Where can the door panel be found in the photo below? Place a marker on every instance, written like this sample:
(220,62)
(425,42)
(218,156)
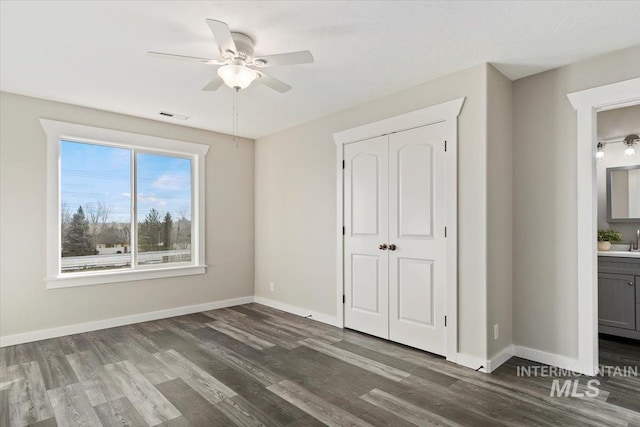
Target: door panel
(366,221)
(365,194)
(415,191)
(365,279)
(415,291)
(417,220)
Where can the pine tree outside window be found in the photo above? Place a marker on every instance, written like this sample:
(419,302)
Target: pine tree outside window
(122,206)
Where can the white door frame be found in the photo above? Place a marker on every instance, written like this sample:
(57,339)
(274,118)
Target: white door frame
(446,112)
(588,103)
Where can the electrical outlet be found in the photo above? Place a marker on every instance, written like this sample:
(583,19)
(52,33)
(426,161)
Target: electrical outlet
(271,286)
(496,332)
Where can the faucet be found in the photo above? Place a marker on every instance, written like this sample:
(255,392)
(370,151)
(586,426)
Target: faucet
(635,247)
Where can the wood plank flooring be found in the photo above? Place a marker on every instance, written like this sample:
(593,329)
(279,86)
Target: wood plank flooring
(252,365)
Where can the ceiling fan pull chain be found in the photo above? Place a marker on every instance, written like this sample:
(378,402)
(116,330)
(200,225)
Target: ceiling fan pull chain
(235,117)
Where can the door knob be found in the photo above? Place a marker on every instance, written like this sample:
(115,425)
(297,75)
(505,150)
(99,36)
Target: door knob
(383,247)
(392,247)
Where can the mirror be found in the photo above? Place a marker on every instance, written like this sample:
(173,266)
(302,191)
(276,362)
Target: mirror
(623,194)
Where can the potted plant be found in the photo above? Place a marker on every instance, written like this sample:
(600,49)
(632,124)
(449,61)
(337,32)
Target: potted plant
(605,237)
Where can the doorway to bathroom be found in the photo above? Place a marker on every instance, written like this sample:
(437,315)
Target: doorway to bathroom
(589,104)
(618,195)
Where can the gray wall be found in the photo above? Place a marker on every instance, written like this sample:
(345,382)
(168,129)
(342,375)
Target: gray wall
(613,124)
(25,303)
(295,209)
(296,203)
(545,207)
(499,210)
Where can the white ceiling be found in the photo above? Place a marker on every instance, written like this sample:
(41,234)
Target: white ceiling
(94,53)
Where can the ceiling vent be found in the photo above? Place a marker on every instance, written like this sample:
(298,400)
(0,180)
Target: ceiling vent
(172,115)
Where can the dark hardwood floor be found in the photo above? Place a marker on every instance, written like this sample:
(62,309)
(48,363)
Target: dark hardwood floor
(253,365)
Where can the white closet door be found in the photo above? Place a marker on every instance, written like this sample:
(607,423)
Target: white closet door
(417,220)
(366,224)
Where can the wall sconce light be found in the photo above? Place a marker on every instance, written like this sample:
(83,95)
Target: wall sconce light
(630,141)
(600,152)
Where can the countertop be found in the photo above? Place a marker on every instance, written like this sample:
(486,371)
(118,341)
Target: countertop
(620,254)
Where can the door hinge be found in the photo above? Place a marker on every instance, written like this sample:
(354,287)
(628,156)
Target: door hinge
(344,299)
(445,232)
(445,145)
(445,321)
(343,164)
(343,232)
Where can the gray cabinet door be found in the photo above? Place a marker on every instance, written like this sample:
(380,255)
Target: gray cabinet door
(617,300)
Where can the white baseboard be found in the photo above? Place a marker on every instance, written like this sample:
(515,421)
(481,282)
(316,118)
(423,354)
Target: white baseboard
(313,315)
(461,359)
(118,321)
(546,358)
(534,355)
(496,361)
(473,362)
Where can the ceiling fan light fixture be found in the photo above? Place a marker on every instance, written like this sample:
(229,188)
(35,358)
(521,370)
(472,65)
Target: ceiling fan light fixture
(237,76)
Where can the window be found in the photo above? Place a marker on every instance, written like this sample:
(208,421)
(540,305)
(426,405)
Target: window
(122,206)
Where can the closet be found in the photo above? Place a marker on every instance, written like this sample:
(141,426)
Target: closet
(396,199)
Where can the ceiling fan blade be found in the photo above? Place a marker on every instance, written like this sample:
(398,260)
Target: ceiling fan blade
(183,58)
(213,84)
(272,82)
(290,58)
(222,34)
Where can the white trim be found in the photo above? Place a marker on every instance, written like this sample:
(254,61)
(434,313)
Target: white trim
(299,311)
(547,358)
(56,131)
(472,362)
(425,116)
(118,138)
(118,321)
(489,365)
(499,359)
(444,112)
(452,234)
(116,276)
(587,103)
(340,235)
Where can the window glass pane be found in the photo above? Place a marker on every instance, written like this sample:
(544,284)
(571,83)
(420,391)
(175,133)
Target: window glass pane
(163,208)
(95,200)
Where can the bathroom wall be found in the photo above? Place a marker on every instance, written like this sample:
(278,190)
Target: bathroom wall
(614,124)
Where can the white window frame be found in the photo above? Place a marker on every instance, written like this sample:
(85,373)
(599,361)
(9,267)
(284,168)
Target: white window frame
(57,131)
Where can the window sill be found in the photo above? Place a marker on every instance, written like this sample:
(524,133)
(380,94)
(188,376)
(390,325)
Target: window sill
(123,276)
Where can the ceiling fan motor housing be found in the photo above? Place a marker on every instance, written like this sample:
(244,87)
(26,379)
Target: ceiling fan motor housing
(244,45)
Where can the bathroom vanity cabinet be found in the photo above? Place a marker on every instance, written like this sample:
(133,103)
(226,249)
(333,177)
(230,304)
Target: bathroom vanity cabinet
(619,296)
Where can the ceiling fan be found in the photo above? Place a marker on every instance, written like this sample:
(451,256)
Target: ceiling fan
(238,66)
